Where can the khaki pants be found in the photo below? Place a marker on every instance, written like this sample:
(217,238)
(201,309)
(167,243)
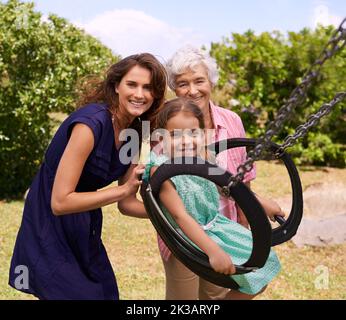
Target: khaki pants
(183,284)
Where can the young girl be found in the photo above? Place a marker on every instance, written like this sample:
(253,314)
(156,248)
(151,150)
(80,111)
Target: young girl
(193,202)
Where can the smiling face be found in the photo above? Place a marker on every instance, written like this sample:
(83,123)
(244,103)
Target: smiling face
(195,85)
(135,92)
(185,136)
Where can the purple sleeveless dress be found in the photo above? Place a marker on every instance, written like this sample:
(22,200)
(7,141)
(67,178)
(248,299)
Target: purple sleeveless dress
(64,255)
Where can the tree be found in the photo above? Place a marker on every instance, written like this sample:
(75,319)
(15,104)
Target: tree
(258,73)
(41,61)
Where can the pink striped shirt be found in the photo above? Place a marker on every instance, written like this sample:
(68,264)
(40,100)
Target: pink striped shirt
(227,124)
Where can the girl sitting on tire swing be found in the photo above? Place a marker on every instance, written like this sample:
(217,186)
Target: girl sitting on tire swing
(192,202)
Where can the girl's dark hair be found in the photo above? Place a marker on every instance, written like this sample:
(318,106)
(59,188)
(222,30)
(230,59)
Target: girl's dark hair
(173,107)
(94,90)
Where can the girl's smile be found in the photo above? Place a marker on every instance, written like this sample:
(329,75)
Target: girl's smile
(185,137)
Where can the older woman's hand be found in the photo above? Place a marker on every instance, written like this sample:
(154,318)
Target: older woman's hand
(271,208)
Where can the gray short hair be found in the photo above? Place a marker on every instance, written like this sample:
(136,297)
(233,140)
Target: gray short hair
(189,57)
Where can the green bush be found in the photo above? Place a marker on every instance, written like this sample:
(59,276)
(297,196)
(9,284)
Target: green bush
(318,149)
(40,64)
(260,72)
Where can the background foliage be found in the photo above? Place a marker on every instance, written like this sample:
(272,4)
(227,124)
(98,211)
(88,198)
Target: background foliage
(41,60)
(258,72)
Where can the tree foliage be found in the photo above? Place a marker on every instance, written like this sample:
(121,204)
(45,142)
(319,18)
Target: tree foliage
(258,73)
(41,60)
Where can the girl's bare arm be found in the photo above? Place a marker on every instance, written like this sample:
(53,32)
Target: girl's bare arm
(219,260)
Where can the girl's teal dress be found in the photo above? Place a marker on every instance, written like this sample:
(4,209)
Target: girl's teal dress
(201,199)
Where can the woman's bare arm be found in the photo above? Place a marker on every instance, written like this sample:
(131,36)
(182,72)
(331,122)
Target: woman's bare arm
(271,208)
(131,206)
(65,199)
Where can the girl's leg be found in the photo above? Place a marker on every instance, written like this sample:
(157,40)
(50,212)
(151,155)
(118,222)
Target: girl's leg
(237,295)
(181,283)
(210,291)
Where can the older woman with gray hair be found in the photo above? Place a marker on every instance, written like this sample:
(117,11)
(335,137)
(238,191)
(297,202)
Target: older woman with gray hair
(192,74)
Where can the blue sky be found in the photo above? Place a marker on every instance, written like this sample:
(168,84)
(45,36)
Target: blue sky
(161,27)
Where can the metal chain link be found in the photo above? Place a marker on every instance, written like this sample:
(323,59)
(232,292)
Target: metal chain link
(336,43)
(312,121)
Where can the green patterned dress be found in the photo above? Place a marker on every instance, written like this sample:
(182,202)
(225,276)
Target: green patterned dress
(201,200)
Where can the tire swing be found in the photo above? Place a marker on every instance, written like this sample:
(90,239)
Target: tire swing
(263,236)
(192,257)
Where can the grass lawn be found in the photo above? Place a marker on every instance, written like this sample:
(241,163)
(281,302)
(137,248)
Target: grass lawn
(131,245)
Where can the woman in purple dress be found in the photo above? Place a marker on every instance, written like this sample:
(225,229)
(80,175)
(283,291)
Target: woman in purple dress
(59,241)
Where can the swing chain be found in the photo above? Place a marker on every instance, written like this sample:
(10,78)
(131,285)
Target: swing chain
(312,121)
(336,43)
